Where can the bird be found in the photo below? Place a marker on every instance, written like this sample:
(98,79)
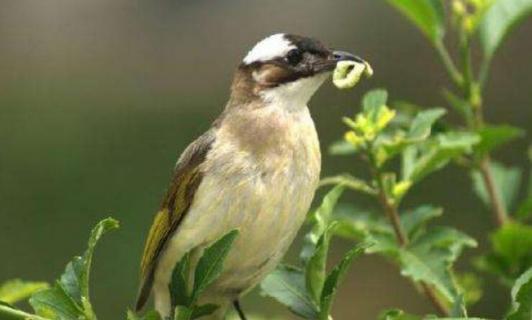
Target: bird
(255,170)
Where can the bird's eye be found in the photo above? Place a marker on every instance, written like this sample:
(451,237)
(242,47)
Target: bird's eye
(294,56)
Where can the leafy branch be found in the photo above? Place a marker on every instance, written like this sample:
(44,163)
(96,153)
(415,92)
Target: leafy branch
(490,21)
(426,258)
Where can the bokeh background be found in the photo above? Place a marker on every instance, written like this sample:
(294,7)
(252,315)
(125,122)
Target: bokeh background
(99,97)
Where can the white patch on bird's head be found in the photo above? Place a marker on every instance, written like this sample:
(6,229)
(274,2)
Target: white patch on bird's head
(293,95)
(272,47)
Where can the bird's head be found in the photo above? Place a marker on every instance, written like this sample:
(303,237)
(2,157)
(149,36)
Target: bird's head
(285,68)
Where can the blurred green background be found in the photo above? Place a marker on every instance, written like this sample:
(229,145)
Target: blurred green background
(99,97)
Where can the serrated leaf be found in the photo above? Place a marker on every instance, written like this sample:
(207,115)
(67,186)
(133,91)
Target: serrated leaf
(320,219)
(416,219)
(287,285)
(498,20)
(506,181)
(429,258)
(511,252)
(361,225)
(70,295)
(492,137)
(427,15)
(439,150)
(16,290)
(55,304)
(422,124)
(334,277)
(178,286)
(210,264)
(522,298)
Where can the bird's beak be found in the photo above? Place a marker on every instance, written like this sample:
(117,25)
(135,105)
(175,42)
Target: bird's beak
(336,56)
(345,56)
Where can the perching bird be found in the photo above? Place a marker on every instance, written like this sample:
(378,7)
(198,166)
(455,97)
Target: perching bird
(256,170)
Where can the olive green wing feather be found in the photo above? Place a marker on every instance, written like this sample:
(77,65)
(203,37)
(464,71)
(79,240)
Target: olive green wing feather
(179,196)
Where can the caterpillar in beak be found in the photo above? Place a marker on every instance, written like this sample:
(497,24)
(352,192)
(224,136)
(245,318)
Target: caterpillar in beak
(348,73)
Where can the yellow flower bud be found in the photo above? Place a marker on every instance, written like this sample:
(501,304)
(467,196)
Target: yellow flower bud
(349,122)
(384,118)
(353,138)
(401,188)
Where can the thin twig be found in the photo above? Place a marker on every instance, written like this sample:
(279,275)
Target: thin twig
(448,63)
(499,211)
(393,215)
(436,302)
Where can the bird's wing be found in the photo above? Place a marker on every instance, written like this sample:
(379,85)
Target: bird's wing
(186,179)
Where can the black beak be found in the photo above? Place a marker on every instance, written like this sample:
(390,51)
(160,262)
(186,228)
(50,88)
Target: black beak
(345,56)
(334,57)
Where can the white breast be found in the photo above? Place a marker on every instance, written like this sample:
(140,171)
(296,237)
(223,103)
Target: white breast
(265,192)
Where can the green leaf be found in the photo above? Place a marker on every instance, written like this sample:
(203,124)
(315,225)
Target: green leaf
(178,286)
(498,20)
(320,219)
(342,148)
(408,161)
(335,276)
(350,182)
(69,298)
(506,181)
(361,225)
(374,99)
(16,290)
(55,304)
(315,268)
(287,285)
(429,258)
(492,137)
(470,285)
(150,315)
(414,220)
(422,124)
(210,265)
(427,15)
(438,151)
(511,252)
(522,297)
